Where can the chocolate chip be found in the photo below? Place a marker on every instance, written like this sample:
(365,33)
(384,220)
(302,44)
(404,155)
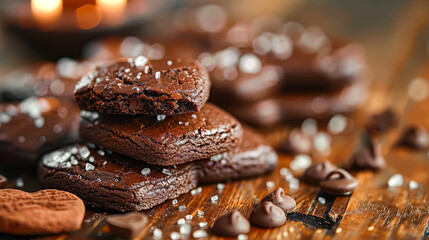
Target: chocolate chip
(339,182)
(3,181)
(126,225)
(414,136)
(231,225)
(383,122)
(369,157)
(316,173)
(279,198)
(296,142)
(267,215)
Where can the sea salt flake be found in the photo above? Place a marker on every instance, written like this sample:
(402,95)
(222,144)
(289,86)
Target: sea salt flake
(202,224)
(101,152)
(300,162)
(140,61)
(216,157)
(293,184)
(193,116)
(200,234)
(185,229)
(214,199)
(337,124)
(242,237)
(189,217)
(145,171)
(181,221)
(413,185)
(182,208)
(84,152)
(91,159)
(200,213)
(321,200)
(169,62)
(166,171)
(220,186)
(19,182)
(160,118)
(157,233)
(175,201)
(175,235)
(196,191)
(269,184)
(89,167)
(396,180)
(158,75)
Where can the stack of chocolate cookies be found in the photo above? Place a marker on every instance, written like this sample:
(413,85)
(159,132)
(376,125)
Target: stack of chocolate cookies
(148,135)
(288,75)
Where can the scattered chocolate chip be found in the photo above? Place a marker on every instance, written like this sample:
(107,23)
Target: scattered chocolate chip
(279,198)
(126,225)
(414,136)
(339,182)
(3,181)
(231,225)
(268,215)
(296,142)
(316,173)
(383,122)
(369,157)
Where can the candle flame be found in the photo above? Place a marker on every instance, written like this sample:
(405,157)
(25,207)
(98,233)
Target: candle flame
(113,10)
(46,12)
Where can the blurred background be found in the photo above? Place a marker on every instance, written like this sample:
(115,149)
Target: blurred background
(79,34)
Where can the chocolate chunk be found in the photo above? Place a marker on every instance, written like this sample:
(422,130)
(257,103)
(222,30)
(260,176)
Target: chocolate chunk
(112,181)
(339,182)
(168,140)
(316,173)
(415,137)
(279,198)
(44,212)
(144,86)
(34,126)
(127,225)
(3,181)
(383,121)
(369,157)
(268,215)
(296,142)
(231,225)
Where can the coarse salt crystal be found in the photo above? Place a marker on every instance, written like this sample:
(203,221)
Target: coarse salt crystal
(145,171)
(396,180)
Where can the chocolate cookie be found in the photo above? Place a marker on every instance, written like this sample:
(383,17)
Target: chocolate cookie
(108,180)
(44,212)
(143,86)
(251,158)
(165,140)
(35,126)
(105,179)
(42,80)
(299,106)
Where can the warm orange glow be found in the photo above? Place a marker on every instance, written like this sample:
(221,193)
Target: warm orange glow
(113,10)
(88,16)
(46,12)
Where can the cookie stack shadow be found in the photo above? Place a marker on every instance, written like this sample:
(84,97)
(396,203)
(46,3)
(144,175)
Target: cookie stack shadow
(148,135)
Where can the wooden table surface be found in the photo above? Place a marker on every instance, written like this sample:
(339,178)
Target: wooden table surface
(374,210)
